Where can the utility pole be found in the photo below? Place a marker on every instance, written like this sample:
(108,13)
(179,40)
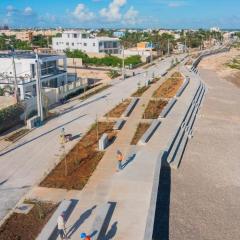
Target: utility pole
(15,77)
(123,64)
(38,88)
(185,48)
(168,47)
(151,59)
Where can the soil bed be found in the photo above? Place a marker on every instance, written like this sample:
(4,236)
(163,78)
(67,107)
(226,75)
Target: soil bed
(154,109)
(170,87)
(140,91)
(27,226)
(81,160)
(141,129)
(16,135)
(119,109)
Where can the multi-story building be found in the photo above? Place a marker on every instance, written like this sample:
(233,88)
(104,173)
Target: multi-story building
(81,40)
(20,35)
(51,75)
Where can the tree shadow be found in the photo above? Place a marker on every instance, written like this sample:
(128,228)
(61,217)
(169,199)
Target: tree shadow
(80,221)
(161,221)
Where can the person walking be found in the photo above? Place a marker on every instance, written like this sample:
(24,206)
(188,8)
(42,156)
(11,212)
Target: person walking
(84,236)
(119,159)
(61,226)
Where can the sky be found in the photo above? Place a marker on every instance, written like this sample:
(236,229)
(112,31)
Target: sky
(121,13)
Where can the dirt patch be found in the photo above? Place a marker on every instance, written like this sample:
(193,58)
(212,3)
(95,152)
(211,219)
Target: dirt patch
(154,109)
(141,129)
(170,87)
(15,136)
(140,91)
(27,226)
(119,109)
(81,160)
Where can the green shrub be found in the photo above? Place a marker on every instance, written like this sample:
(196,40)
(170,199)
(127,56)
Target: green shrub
(10,116)
(111,61)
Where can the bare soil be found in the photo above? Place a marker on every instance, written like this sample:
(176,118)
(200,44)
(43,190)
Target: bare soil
(154,109)
(27,226)
(141,129)
(219,63)
(170,87)
(140,91)
(81,160)
(119,109)
(16,135)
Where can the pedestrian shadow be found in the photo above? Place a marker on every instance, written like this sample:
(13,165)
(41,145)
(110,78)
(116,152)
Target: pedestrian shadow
(129,160)
(40,136)
(112,232)
(161,220)
(80,221)
(75,137)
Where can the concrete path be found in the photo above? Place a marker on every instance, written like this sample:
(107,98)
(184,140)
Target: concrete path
(100,187)
(23,165)
(201,199)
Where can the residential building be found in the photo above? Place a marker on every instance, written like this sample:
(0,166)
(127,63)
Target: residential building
(51,75)
(20,35)
(145,46)
(83,41)
(119,34)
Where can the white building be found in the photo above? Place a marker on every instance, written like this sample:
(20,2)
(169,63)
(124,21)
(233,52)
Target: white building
(51,76)
(83,41)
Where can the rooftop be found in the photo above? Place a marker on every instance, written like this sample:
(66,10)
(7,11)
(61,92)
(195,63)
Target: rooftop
(26,55)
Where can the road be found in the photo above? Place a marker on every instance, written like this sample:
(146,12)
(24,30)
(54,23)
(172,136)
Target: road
(25,163)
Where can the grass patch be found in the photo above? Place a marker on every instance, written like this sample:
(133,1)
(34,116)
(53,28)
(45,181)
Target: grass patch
(81,160)
(234,63)
(117,111)
(170,87)
(154,109)
(27,226)
(141,129)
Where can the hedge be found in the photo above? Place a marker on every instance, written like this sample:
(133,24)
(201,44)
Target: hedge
(10,116)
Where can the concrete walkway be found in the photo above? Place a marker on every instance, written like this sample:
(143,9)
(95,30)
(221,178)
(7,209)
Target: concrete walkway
(24,164)
(201,199)
(100,186)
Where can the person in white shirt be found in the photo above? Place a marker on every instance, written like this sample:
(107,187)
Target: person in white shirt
(61,226)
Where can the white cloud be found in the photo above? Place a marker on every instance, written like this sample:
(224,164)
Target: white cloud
(81,13)
(9,10)
(28,11)
(130,17)
(112,13)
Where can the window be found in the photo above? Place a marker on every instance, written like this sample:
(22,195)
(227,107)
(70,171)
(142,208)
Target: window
(67,43)
(72,44)
(94,44)
(85,44)
(68,35)
(114,44)
(75,35)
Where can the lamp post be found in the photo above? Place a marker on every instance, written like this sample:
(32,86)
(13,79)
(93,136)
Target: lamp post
(123,64)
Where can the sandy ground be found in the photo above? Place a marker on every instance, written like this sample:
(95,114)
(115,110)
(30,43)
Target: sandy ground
(201,201)
(99,75)
(6,101)
(219,65)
